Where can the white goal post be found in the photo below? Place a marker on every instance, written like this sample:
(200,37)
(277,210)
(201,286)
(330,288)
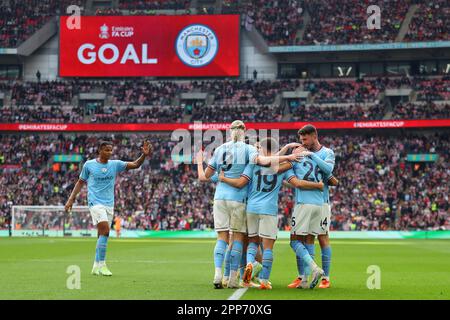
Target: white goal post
(51,221)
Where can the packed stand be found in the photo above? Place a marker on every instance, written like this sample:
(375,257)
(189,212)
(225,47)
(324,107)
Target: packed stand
(357,91)
(248,92)
(378,189)
(151,198)
(431,22)
(345,22)
(338,113)
(228,113)
(43,93)
(277,21)
(108,12)
(53,114)
(21,19)
(151,5)
(141,92)
(432,89)
(150,114)
(426,111)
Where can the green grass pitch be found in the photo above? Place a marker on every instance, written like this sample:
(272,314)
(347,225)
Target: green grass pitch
(35,268)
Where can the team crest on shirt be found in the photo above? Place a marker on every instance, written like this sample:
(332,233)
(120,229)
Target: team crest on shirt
(196,45)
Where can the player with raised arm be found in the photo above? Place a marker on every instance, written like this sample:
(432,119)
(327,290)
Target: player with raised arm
(262,208)
(229,202)
(325,160)
(100,174)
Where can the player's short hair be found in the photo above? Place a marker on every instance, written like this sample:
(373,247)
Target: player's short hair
(270,144)
(237,124)
(307,129)
(104,143)
(237,129)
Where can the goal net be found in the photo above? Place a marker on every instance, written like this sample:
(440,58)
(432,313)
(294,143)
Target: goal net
(51,221)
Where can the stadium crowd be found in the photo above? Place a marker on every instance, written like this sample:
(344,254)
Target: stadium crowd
(429,89)
(428,110)
(228,113)
(378,189)
(345,22)
(278,21)
(431,22)
(20,19)
(338,113)
(141,101)
(154,4)
(353,91)
(150,114)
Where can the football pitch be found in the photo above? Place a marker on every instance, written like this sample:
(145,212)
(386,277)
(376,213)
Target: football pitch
(182,269)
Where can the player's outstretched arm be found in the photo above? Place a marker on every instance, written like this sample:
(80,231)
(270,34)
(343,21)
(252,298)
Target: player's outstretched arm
(303,184)
(146,151)
(285,149)
(200,171)
(76,190)
(268,160)
(285,166)
(234,182)
(326,166)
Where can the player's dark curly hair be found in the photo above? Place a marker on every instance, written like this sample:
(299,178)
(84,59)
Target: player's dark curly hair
(104,143)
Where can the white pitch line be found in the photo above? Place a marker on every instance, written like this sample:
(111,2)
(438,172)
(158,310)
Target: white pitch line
(238,294)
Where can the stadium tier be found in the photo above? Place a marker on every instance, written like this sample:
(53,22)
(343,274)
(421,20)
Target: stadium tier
(223,101)
(281,23)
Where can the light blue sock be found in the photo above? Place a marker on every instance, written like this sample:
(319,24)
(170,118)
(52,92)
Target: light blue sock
(226,272)
(310,248)
(303,254)
(219,253)
(236,253)
(300,267)
(97,259)
(100,251)
(326,260)
(242,264)
(267,262)
(252,250)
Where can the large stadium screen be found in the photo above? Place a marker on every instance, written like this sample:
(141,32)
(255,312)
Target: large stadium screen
(129,46)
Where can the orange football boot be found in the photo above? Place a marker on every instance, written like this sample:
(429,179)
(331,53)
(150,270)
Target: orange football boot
(247,277)
(265,285)
(324,284)
(295,283)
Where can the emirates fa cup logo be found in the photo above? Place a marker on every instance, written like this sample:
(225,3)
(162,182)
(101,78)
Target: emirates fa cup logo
(104,32)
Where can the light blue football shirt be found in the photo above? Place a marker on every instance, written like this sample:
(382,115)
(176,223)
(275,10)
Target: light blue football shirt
(307,169)
(100,179)
(233,158)
(264,188)
(328,157)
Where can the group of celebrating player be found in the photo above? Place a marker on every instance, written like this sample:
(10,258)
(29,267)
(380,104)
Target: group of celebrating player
(245,209)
